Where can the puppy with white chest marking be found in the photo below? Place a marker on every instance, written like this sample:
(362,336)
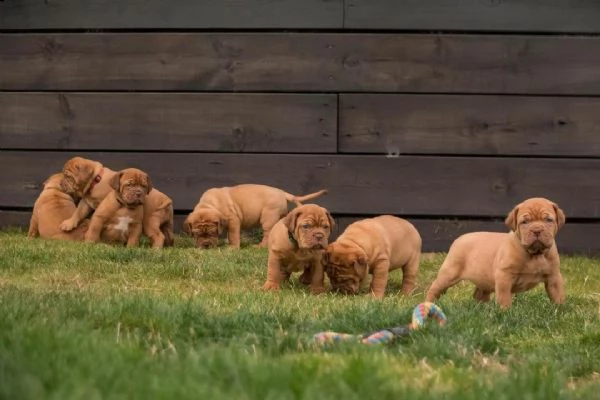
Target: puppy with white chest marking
(374,246)
(119,217)
(296,244)
(508,263)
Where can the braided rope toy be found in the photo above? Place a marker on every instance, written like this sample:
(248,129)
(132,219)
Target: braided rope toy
(420,314)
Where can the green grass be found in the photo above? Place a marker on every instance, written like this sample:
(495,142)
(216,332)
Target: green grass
(91,322)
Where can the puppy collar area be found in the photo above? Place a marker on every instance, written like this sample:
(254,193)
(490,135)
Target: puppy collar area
(96,180)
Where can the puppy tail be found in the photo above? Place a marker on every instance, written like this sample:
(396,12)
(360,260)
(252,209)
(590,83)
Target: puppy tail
(299,199)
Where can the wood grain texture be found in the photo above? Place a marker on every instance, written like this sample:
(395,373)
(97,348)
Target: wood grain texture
(301,62)
(482,125)
(167,121)
(437,234)
(173,14)
(405,185)
(564,16)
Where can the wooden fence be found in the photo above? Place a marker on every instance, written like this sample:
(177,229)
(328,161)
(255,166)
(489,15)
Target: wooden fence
(445,112)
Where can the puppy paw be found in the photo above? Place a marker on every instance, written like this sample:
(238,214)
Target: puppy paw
(271,286)
(317,290)
(68,225)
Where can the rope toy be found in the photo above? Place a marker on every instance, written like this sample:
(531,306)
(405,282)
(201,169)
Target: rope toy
(420,314)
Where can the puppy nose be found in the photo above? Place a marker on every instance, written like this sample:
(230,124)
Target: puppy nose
(319,235)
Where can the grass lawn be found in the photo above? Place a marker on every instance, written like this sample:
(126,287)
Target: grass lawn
(88,322)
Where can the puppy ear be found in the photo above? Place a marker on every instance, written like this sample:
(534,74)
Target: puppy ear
(187,225)
(511,219)
(115,181)
(149,183)
(560,216)
(331,222)
(360,265)
(291,219)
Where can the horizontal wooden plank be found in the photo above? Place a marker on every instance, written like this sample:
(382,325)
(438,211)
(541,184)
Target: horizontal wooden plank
(437,234)
(405,185)
(301,62)
(168,121)
(484,125)
(173,14)
(474,15)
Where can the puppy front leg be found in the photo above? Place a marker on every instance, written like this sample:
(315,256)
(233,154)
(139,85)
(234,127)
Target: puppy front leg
(318,277)
(274,273)
(135,232)
(82,210)
(93,233)
(503,289)
(380,277)
(233,233)
(555,288)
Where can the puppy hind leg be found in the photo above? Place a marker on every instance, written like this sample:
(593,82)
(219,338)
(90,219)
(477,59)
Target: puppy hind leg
(483,296)
(449,275)
(268,218)
(167,231)
(33,227)
(409,274)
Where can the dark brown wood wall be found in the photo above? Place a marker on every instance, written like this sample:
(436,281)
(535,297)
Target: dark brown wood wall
(445,112)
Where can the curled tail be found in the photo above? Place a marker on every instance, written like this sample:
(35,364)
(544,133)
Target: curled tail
(299,199)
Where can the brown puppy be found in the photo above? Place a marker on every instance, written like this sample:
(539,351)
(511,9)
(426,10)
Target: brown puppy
(88,180)
(158,219)
(119,217)
(296,243)
(50,209)
(236,208)
(374,246)
(508,263)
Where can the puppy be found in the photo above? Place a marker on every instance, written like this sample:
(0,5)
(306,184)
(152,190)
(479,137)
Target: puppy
(376,246)
(88,180)
(508,263)
(297,243)
(158,218)
(50,209)
(119,217)
(236,208)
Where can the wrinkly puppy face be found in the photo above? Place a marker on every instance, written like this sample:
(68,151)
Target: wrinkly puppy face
(310,225)
(77,173)
(55,182)
(346,267)
(205,226)
(132,185)
(535,222)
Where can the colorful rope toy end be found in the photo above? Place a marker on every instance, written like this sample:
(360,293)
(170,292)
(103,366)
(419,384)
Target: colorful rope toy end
(420,315)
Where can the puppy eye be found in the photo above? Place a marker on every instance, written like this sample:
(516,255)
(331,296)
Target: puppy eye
(549,219)
(524,222)
(305,226)
(325,226)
